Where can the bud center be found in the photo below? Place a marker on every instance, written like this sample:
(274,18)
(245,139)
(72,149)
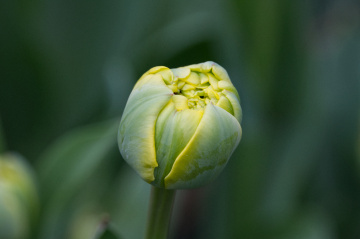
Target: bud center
(198,88)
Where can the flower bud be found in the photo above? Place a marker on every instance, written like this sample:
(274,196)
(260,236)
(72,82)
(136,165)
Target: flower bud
(180,126)
(18,197)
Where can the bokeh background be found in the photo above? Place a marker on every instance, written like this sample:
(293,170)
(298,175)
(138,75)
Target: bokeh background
(68,67)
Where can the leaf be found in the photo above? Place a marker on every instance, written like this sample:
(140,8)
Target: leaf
(105,232)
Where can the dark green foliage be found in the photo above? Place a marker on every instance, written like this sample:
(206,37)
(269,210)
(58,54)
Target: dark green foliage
(68,67)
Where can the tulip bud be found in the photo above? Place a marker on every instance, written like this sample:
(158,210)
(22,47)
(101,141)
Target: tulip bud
(180,126)
(18,197)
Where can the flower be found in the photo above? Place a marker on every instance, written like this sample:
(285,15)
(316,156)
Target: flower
(18,197)
(180,126)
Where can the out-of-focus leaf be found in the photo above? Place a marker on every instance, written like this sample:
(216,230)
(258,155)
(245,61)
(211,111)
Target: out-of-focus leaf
(309,223)
(129,204)
(71,167)
(66,165)
(106,233)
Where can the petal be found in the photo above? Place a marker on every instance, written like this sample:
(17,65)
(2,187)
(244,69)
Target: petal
(167,75)
(156,69)
(188,87)
(213,81)
(193,79)
(149,74)
(174,129)
(208,151)
(181,72)
(220,72)
(202,67)
(203,78)
(181,84)
(137,127)
(235,103)
(180,101)
(225,104)
(227,85)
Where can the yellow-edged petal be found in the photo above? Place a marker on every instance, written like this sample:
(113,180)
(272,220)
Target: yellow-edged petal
(180,102)
(225,104)
(148,75)
(220,72)
(193,79)
(181,72)
(235,103)
(174,129)
(208,151)
(137,127)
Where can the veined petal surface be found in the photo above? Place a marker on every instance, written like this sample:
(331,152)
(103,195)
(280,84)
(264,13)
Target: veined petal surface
(208,151)
(174,130)
(136,135)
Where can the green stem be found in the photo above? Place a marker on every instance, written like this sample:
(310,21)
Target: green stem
(160,208)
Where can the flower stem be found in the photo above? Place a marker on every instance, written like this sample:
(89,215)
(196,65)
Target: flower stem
(160,208)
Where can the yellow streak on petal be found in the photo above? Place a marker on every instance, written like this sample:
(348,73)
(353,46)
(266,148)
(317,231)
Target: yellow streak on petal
(202,67)
(207,152)
(173,132)
(137,126)
(156,69)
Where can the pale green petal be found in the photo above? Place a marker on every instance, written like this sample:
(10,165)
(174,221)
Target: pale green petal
(208,151)
(181,72)
(174,129)
(162,119)
(203,78)
(156,69)
(180,101)
(213,81)
(181,84)
(227,85)
(137,126)
(167,75)
(225,104)
(234,100)
(188,87)
(148,75)
(193,79)
(202,67)
(220,72)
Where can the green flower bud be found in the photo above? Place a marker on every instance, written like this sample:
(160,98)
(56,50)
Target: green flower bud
(180,126)
(18,197)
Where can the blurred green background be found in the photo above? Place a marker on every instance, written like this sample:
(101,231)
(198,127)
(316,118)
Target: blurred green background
(68,67)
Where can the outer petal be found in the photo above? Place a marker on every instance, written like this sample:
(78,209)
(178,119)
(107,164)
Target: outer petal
(137,126)
(234,100)
(202,67)
(147,76)
(174,130)
(208,151)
